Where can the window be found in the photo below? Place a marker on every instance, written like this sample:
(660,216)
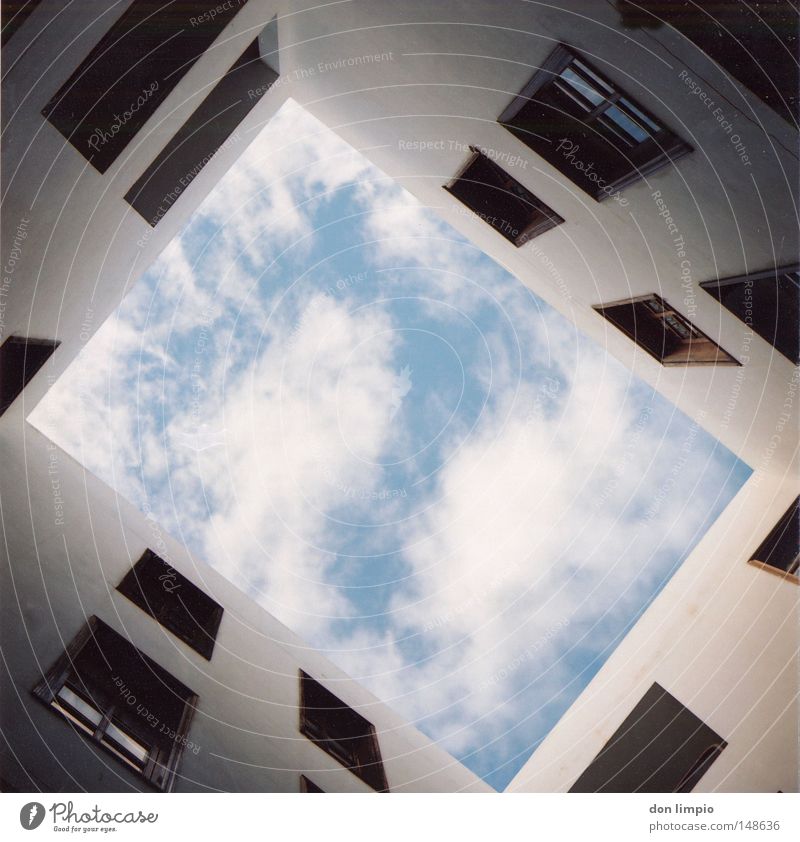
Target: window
(307,785)
(660,747)
(511,209)
(130,72)
(768,302)
(663,332)
(195,143)
(587,128)
(174,601)
(780,550)
(120,699)
(755,42)
(344,734)
(20,358)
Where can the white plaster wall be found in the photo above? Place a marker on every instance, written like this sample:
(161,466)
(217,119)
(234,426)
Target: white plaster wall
(722,638)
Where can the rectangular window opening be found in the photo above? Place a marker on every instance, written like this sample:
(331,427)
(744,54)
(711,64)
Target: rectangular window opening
(661,746)
(130,72)
(663,332)
(780,550)
(341,732)
(20,358)
(211,125)
(175,602)
(768,302)
(589,129)
(501,201)
(91,685)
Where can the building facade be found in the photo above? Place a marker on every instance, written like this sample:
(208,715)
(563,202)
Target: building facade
(659,186)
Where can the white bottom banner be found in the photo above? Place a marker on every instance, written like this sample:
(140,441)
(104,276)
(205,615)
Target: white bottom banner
(403,817)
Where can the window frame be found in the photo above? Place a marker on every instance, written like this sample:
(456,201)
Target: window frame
(205,638)
(667,311)
(160,767)
(656,151)
(369,768)
(546,220)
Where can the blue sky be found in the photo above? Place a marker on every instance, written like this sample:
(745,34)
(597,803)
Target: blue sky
(392,444)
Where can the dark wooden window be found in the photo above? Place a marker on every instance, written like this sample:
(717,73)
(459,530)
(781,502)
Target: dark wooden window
(780,550)
(344,734)
(587,127)
(20,358)
(199,138)
(130,72)
(307,785)
(13,13)
(663,332)
(660,747)
(178,604)
(769,302)
(116,696)
(755,42)
(501,201)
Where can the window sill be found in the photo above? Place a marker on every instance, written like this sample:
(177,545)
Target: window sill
(789,577)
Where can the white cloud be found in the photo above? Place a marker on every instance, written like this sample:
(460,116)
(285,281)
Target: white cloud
(290,420)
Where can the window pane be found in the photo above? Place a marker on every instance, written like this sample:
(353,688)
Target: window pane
(678,327)
(664,334)
(572,78)
(640,117)
(631,129)
(115,673)
(587,71)
(75,708)
(116,736)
